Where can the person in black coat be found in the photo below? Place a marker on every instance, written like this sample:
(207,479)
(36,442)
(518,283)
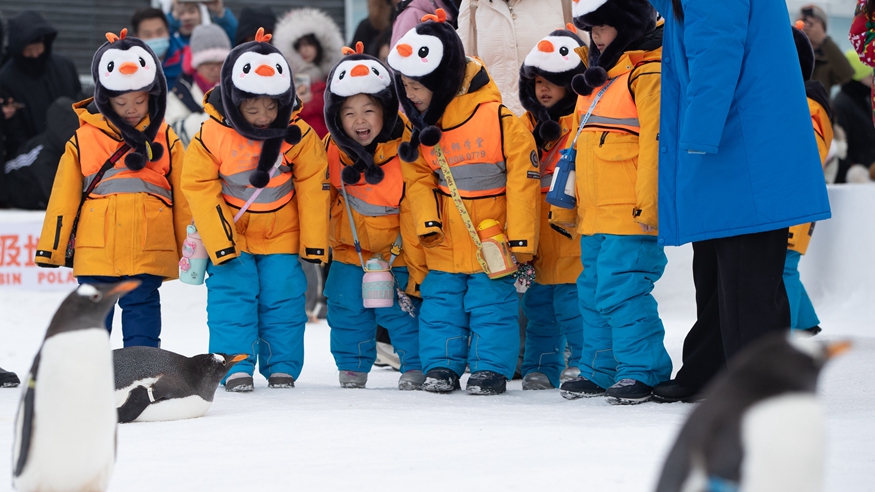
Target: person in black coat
(33,78)
(852,111)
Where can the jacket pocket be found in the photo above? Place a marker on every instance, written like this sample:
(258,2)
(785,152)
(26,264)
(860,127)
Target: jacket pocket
(91,231)
(615,169)
(159,234)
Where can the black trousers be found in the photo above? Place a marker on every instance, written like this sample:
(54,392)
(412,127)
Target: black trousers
(740,296)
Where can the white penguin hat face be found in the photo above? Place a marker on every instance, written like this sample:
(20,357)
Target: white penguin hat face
(126,70)
(257,73)
(583,7)
(554,54)
(416,54)
(353,77)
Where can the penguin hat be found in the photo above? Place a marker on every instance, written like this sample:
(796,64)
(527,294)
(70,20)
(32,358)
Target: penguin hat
(153,385)
(126,64)
(65,428)
(804,49)
(553,58)
(631,18)
(432,54)
(760,426)
(253,70)
(358,73)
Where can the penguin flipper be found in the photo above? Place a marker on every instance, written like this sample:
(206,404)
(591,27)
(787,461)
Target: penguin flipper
(24,427)
(138,400)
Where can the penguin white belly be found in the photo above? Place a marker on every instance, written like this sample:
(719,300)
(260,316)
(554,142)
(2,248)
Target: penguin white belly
(72,446)
(121,395)
(175,409)
(783,443)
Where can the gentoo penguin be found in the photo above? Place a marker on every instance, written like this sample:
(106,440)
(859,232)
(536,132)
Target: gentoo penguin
(358,73)
(152,384)
(760,427)
(65,429)
(8,379)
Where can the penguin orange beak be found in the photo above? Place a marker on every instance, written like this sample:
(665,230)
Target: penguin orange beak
(239,357)
(125,287)
(128,68)
(359,71)
(404,49)
(545,46)
(265,70)
(837,348)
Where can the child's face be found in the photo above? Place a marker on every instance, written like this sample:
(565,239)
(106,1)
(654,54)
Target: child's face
(362,119)
(307,51)
(602,36)
(547,92)
(417,93)
(259,112)
(131,106)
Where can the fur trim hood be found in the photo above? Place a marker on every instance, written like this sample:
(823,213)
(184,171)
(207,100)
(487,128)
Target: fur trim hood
(257,69)
(358,73)
(298,23)
(126,64)
(431,54)
(554,58)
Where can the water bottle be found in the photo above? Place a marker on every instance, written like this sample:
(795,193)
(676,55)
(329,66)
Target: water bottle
(378,285)
(494,249)
(193,264)
(562,187)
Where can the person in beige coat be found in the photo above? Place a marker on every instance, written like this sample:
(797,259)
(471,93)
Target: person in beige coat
(489,27)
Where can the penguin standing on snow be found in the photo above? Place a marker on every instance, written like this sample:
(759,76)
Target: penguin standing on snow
(65,429)
(760,427)
(154,385)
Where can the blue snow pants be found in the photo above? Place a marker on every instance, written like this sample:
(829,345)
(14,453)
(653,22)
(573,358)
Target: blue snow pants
(622,332)
(354,327)
(469,320)
(255,306)
(141,309)
(554,319)
(802,313)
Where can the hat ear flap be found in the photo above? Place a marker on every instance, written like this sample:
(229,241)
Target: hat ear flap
(374,174)
(409,151)
(293,135)
(270,152)
(430,136)
(595,76)
(350,175)
(579,85)
(549,130)
(135,161)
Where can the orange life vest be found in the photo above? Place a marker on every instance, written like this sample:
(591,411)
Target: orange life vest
(239,156)
(475,159)
(370,200)
(94,150)
(616,110)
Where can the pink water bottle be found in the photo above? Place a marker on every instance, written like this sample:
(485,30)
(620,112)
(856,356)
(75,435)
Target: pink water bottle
(378,285)
(193,264)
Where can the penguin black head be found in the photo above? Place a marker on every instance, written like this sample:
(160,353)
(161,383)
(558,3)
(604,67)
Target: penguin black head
(214,367)
(87,306)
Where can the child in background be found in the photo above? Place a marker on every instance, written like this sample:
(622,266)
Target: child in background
(616,173)
(466,318)
(132,224)
(550,303)
(255,288)
(361,112)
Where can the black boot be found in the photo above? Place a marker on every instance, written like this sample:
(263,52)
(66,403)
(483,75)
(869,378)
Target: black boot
(486,383)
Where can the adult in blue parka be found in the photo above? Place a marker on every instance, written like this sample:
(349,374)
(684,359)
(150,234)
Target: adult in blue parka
(738,164)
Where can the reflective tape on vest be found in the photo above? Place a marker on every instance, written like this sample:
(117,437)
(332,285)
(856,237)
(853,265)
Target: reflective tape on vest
(371,210)
(236,188)
(131,185)
(604,120)
(476,177)
(371,200)
(616,110)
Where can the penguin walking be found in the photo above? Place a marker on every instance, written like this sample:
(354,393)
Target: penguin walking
(8,379)
(65,429)
(760,427)
(153,385)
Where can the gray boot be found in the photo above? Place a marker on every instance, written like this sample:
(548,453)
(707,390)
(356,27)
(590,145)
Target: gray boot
(536,381)
(411,380)
(353,379)
(569,373)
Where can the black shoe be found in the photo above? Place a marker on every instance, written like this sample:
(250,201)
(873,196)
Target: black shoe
(280,380)
(239,382)
(580,387)
(486,383)
(441,380)
(8,379)
(628,391)
(671,391)
(810,332)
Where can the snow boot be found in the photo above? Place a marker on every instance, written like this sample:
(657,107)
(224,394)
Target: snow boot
(8,379)
(536,381)
(580,387)
(411,380)
(239,382)
(280,380)
(353,379)
(569,373)
(486,383)
(441,380)
(672,391)
(628,391)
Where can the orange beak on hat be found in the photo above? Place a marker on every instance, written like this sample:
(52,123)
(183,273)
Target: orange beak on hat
(404,49)
(265,70)
(128,68)
(359,71)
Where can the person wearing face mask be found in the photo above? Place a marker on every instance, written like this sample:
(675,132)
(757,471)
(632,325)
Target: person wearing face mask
(151,26)
(32,79)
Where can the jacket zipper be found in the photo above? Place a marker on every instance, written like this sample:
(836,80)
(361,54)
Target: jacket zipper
(602,140)
(58,231)
(437,202)
(225,225)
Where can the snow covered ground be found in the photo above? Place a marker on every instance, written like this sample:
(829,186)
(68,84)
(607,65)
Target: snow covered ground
(321,437)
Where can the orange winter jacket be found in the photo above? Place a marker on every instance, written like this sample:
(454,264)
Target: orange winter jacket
(381,212)
(617,152)
(800,235)
(495,164)
(558,258)
(133,222)
(290,216)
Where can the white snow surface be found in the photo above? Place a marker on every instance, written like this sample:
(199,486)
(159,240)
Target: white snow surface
(319,436)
